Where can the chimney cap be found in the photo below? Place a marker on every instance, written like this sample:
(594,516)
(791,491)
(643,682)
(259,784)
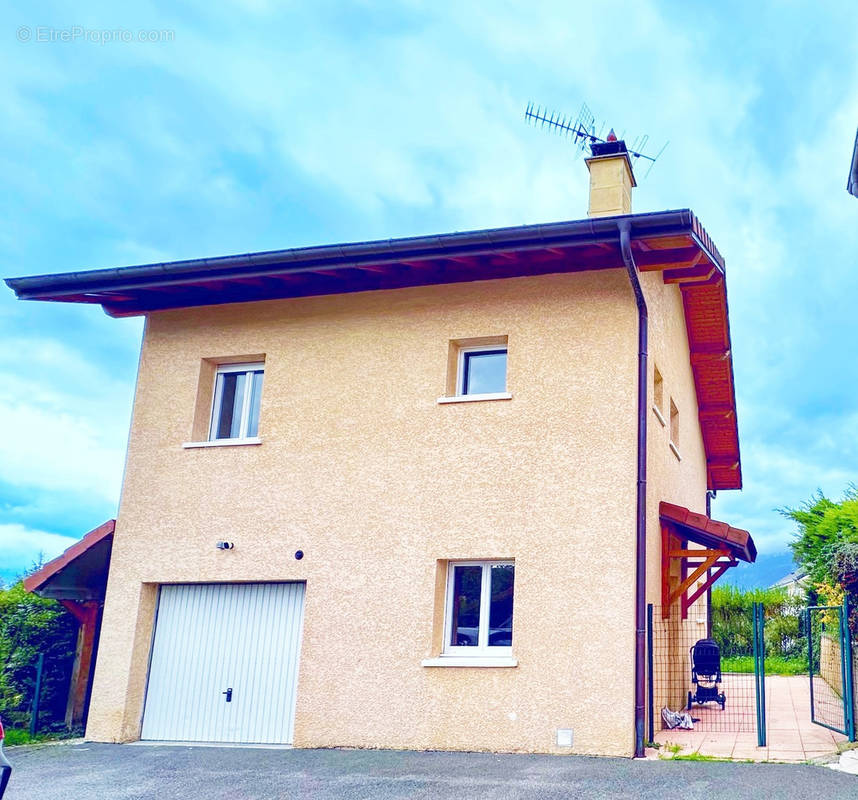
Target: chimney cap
(610,147)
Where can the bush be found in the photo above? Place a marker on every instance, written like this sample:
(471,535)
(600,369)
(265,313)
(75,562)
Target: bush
(732,625)
(30,625)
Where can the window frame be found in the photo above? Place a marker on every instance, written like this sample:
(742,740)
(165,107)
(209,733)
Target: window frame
(461,370)
(673,441)
(482,649)
(248,369)
(658,395)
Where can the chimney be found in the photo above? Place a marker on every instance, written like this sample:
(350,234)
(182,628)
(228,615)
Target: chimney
(611,178)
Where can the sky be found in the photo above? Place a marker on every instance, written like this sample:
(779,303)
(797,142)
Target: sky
(162,131)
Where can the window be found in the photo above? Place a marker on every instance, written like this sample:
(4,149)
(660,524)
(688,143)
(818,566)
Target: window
(479,608)
(482,370)
(674,428)
(237,393)
(658,395)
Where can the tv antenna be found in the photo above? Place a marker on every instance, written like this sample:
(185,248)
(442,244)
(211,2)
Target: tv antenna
(583,131)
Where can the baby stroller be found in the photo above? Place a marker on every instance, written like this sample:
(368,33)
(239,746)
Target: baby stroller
(706,673)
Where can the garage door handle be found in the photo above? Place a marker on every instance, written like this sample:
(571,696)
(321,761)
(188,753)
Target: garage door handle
(228,694)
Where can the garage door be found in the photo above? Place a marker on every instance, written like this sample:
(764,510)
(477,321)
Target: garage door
(224,663)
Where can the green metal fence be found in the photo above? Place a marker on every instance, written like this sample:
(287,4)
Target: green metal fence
(759,622)
(830,667)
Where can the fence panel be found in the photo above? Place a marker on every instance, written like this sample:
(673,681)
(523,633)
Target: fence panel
(671,678)
(830,666)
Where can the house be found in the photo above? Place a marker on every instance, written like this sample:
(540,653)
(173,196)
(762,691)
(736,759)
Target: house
(417,493)
(796,584)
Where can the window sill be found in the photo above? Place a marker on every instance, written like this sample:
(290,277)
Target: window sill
(223,443)
(475,398)
(469,661)
(675,450)
(658,416)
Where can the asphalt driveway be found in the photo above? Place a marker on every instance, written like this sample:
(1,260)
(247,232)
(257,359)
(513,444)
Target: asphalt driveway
(122,772)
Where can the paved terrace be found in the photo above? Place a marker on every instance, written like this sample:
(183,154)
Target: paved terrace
(792,737)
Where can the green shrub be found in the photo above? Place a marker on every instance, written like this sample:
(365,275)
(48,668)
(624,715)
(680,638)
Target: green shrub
(30,625)
(732,625)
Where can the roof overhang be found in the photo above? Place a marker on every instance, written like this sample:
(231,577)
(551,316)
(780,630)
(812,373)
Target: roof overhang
(79,573)
(705,531)
(719,547)
(671,242)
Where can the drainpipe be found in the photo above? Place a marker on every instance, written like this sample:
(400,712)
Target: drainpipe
(640,544)
(710,496)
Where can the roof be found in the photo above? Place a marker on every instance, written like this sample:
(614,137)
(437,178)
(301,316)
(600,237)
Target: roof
(671,242)
(794,577)
(708,532)
(852,184)
(80,572)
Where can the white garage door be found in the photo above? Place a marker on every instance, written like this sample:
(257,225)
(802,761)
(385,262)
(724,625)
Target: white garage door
(225,663)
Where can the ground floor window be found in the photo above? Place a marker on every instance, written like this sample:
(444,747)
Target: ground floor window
(479,608)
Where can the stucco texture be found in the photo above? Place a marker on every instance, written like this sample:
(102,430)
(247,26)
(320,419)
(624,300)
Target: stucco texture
(671,477)
(377,483)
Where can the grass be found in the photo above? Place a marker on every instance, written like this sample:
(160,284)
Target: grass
(18,736)
(775,665)
(674,750)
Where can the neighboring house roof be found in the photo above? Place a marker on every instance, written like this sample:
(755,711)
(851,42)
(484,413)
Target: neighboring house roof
(794,577)
(708,532)
(852,184)
(79,573)
(671,242)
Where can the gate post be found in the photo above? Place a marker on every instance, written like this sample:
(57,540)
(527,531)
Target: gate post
(649,671)
(848,686)
(760,671)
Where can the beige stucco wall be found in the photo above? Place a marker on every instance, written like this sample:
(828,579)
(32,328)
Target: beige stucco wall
(362,470)
(680,480)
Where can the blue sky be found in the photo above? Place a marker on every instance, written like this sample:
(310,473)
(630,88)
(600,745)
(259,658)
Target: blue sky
(255,125)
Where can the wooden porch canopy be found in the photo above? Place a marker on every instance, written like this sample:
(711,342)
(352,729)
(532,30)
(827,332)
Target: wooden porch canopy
(77,578)
(721,546)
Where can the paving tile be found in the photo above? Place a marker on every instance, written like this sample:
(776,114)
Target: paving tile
(795,756)
(816,736)
(785,740)
(750,754)
(812,753)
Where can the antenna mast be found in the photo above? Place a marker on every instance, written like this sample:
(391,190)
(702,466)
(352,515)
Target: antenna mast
(583,131)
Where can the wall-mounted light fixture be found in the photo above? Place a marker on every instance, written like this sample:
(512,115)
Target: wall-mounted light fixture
(225,545)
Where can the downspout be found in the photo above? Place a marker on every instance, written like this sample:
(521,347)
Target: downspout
(710,496)
(640,543)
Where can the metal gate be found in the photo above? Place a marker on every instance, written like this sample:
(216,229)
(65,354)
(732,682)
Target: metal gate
(830,668)
(721,702)
(224,664)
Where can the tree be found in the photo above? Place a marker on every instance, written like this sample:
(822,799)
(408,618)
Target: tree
(30,625)
(826,545)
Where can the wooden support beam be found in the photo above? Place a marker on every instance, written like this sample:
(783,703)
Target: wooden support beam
(689,601)
(700,553)
(692,578)
(694,563)
(86,613)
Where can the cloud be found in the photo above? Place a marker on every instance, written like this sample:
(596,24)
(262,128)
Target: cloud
(22,546)
(64,417)
(262,125)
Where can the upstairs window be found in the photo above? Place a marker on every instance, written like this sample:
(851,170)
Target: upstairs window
(237,394)
(479,608)
(658,395)
(482,370)
(674,429)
